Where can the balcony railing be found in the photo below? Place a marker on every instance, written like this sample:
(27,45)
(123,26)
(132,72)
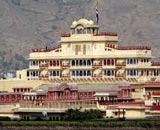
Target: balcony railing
(155,64)
(120,75)
(44,76)
(97,76)
(43,65)
(65,65)
(106,34)
(155,108)
(97,65)
(66,35)
(121,64)
(155,93)
(46,49)
(65,76)
(134,48)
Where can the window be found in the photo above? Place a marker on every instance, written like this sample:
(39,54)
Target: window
(88,62)
(108,73)
(73,63)
(73,73)
(108,62)
(80,63)
(112,62)
(88,73)
(104,62)
(54,73)
(81,74)
(84,62)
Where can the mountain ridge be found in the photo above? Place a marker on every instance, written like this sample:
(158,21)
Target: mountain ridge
(27,24)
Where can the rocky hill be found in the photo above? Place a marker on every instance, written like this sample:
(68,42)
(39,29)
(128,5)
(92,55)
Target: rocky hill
(27,24)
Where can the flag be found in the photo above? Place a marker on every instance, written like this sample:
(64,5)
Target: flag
(97,15)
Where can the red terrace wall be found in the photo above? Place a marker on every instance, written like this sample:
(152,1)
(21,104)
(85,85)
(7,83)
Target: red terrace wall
(10,98)
(86,95)
(71,95)
(62,95)
(50,96)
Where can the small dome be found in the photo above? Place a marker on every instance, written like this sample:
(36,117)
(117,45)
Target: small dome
(83,22)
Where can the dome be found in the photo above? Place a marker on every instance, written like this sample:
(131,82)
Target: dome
(83,22)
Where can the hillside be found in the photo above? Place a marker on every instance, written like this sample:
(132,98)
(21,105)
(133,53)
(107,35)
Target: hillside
(27,24)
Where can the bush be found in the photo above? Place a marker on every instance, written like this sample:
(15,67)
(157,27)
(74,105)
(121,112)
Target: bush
(76,114)
(5,118)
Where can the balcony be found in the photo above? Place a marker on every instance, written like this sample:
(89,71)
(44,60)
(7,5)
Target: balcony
(155,108)
(97,65)
(106,34)
(42,66)
(120,75)
(65,76)
(134,48)
(156,94)
(121,64)
(65,65)
(43,77)
(66,35)
(46,49)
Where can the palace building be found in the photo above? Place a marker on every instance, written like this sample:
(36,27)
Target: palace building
(87,55)
(86,70)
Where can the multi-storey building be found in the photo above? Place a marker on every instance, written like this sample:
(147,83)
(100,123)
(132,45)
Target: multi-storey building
(83,67)
(87,55)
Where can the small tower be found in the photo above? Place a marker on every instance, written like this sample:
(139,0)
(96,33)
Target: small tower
(84,26)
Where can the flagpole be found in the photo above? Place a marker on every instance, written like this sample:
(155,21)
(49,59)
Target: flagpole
(97,13)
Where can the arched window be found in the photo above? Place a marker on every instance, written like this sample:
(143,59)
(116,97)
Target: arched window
(84,62)
(108,73)
(54,63)
(73,73)
(142,73)
(108,62)
(84,73)
(34,62)
(131,73)
(77,73)
(112,72)
(88,73)
(88,62)
(104,62)
(54,73)
(80,63)
(77,64)
(73,63)
(51,73)
(36,73)
(112,62)
(81,74)
(57,62)
(58,73)
(80,31)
